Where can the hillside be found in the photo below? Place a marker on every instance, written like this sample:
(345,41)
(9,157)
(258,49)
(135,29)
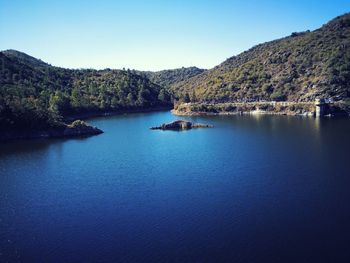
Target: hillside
(167,78)
(300,67)
(297,68)
(36,95)
(24,58)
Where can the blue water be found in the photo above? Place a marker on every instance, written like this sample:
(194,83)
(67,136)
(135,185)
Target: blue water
(252,189)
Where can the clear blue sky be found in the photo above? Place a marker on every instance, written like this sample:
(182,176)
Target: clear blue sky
(153,34)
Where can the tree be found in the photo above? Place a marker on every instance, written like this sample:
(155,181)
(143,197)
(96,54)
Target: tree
(76,98)
(143,97)
(59,103)
(164,96)
(185,98)
(130,99)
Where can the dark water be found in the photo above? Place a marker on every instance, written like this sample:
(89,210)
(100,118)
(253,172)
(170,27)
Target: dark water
(252,189)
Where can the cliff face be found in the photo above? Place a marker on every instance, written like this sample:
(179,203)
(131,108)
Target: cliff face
(300,67)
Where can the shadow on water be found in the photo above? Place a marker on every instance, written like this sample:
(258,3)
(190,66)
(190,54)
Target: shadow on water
(173,130)
(35,145)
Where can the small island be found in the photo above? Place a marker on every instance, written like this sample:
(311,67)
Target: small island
(180,125)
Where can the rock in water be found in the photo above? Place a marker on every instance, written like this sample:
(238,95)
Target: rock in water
(180,125)
(81,128)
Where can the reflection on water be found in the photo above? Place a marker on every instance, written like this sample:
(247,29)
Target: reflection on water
(253,188)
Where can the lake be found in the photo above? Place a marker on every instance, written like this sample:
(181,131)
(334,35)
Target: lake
(251,189)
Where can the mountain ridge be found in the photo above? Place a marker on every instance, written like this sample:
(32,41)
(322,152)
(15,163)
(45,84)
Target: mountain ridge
(299,67)
(24,58)
(35,95)
(169,77)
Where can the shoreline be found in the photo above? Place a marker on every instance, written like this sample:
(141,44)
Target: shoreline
(184,109)
(307,109)
(88,115)
(68,131)
(48,134)
(227,113)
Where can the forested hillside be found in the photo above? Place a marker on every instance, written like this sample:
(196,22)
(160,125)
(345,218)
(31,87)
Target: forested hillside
(300,67)
(36,95)
(297,68)
(167,78)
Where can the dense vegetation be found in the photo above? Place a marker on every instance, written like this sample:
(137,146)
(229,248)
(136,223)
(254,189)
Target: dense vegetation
(36,95)
(301,67)
(167,78)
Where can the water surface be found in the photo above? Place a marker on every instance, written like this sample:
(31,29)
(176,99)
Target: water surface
(252,189)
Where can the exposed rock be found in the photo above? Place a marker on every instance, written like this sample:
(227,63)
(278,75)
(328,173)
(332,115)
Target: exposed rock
(181,125)
(79,128)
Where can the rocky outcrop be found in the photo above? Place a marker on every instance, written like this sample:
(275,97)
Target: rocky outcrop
(81,128)
(181,125)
